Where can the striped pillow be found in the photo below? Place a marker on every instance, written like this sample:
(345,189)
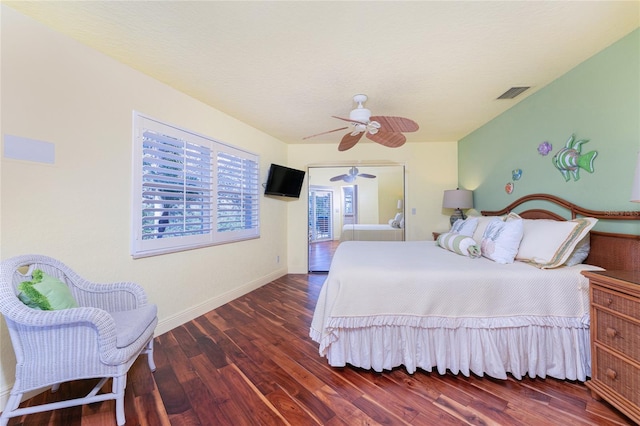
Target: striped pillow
(461,244)
(465,227)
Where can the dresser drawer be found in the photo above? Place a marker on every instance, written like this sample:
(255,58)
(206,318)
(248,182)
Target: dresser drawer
(617,333)
(618,375)
(616,302)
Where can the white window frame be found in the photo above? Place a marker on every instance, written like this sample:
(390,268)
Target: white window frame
(222,212)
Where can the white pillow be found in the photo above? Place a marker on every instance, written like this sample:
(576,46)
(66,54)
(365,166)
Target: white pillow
(394,223)
(581,252)
(461,244)
(549,243)
(501,240)
(465,227)
(398,217)
(483,221)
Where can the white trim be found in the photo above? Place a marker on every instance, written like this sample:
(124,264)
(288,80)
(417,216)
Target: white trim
(211,233)
(195,311)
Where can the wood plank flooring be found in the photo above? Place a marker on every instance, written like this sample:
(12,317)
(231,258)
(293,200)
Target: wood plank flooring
(251,362)
(320,255)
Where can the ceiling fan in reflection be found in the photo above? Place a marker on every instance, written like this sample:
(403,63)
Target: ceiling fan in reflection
(351,176)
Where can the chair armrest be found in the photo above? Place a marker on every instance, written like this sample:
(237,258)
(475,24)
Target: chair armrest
(111,297)
(99,319)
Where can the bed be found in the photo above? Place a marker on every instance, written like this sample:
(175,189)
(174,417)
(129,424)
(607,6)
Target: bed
(417,305)
(371,232)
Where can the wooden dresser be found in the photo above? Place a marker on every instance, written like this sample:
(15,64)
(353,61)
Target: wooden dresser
(615,339)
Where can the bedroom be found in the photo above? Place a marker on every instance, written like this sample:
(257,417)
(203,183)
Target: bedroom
(100,93)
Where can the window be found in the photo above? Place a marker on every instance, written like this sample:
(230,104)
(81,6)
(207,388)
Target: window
(189,190)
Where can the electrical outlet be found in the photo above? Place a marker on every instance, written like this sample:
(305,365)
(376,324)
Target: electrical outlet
(278,259)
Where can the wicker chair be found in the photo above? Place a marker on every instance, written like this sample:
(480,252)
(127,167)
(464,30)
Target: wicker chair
(99,339)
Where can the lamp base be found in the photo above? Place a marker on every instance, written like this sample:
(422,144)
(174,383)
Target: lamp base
(457,214)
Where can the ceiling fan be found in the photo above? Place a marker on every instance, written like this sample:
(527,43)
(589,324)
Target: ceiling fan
(351,176)
(385,130)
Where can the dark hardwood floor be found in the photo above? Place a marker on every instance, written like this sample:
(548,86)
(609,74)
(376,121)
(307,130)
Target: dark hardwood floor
(251,362)
(320,255)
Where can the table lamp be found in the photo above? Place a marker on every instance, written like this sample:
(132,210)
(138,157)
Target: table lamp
(457,199)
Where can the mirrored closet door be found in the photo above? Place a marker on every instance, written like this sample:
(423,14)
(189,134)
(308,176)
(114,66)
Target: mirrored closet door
(353,203)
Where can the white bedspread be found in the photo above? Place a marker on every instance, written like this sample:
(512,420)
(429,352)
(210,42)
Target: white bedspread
(466,312)
(371,232)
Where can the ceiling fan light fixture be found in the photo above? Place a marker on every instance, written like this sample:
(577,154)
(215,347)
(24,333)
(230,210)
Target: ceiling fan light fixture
(385,130)
(360,114)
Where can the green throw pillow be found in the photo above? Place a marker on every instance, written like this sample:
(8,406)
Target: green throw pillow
(46,293)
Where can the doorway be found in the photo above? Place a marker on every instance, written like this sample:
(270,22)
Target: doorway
(320,214)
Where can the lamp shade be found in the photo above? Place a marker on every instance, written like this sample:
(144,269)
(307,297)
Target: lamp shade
(457,199)
(635,188)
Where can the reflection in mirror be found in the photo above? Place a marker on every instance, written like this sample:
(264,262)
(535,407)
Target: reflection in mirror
(353,203)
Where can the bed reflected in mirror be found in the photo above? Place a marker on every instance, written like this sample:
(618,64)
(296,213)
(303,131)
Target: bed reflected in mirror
(353,203)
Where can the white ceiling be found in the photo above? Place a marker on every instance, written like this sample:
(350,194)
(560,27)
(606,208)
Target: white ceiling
(286,67)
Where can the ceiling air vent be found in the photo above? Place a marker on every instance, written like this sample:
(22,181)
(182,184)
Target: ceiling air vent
(513,92)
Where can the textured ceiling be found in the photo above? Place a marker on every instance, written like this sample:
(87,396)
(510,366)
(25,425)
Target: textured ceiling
(287,67)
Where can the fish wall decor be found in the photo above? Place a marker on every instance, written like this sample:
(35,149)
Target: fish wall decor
(569,160)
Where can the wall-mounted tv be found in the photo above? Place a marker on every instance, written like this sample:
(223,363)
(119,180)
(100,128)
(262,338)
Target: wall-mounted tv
(284,181)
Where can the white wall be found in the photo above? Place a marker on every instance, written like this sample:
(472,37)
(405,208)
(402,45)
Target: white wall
(78,209)
(430,168)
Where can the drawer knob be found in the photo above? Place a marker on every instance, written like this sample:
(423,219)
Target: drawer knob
(609,301)
(612,332)
(611,374)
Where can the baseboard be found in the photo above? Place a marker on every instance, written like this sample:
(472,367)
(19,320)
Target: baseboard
(168,324)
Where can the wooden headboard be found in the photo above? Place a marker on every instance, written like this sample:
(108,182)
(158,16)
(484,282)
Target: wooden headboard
(608,250)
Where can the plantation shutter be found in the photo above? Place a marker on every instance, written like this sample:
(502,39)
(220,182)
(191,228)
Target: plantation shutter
(238,194)
(189,190)
(176,187)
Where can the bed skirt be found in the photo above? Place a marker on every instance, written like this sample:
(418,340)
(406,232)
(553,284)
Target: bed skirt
(554,347)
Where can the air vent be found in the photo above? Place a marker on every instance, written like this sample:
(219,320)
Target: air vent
(513,92)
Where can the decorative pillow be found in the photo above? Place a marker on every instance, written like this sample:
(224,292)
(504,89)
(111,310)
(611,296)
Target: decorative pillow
(461,244)
(46,293)
(549,243)
(398,217)
(581,252)
(394,223)
(501,240)
(483,221)
(465,227)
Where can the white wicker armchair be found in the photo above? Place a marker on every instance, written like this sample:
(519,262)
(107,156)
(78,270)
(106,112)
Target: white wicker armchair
(99,339)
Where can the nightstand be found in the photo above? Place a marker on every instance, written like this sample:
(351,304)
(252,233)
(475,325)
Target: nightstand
(615,339)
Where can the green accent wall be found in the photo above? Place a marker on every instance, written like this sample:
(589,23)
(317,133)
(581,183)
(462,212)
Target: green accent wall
(597,100)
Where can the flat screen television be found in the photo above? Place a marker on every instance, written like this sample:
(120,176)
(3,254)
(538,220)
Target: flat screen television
(284,181)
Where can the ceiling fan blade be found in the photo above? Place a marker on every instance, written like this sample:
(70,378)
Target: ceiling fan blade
(395,124)
(349,120)
(366,175)
(324,133)
(389,139)
(337,178)
(348,141)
